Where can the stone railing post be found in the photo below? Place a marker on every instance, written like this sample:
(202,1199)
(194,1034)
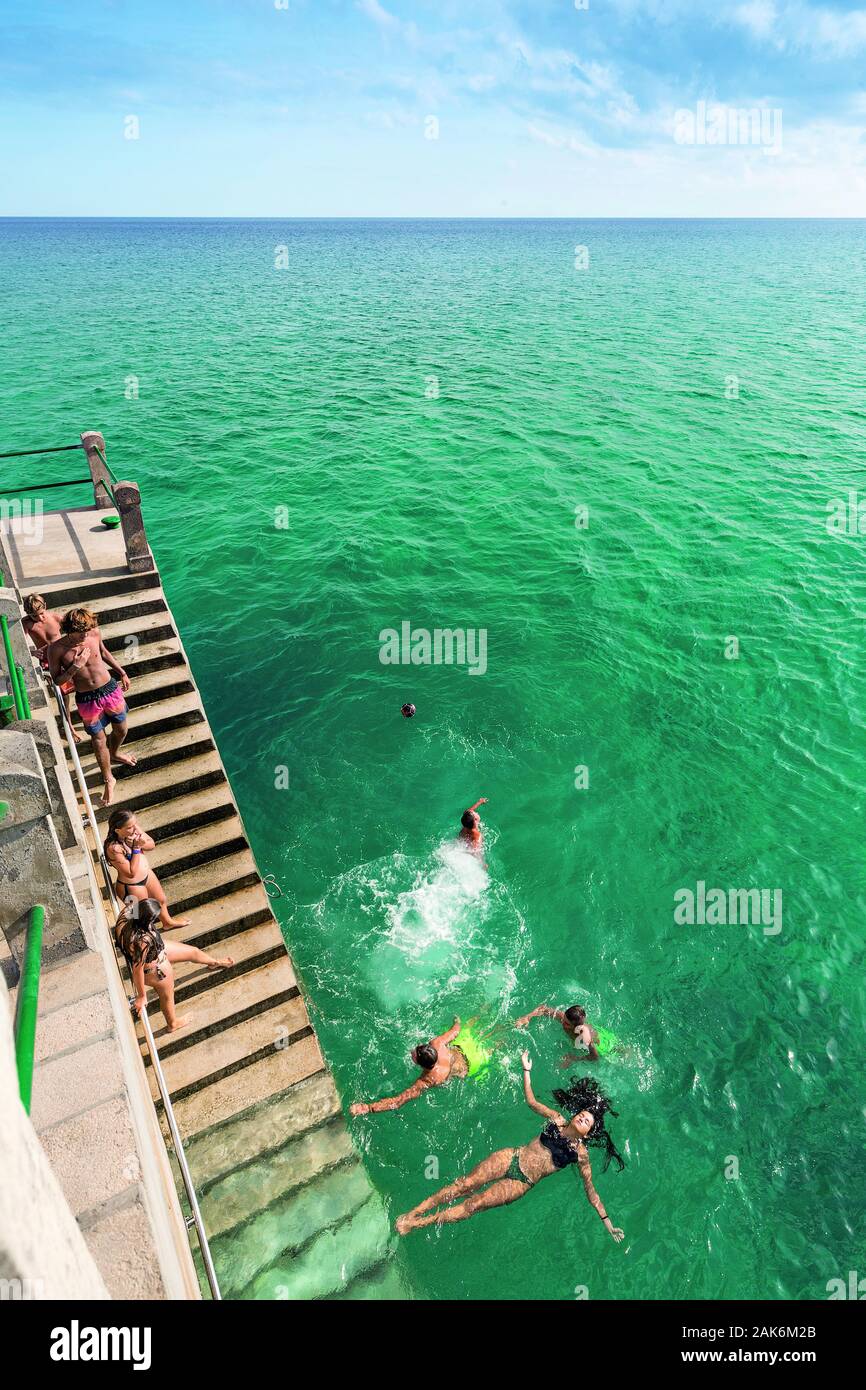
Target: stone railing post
(125,496)
(91,440)
(128,500)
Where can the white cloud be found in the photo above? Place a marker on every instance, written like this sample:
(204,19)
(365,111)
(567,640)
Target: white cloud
(759,16)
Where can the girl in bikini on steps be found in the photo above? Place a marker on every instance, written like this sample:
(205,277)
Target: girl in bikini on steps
(126,846)
(150,959)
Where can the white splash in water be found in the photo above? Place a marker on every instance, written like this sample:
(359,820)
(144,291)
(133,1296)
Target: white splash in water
(434,909)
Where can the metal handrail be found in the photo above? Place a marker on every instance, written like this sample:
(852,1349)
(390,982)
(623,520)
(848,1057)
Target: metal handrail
(176,1139)
(90,820)
(24,453)
(27,1004)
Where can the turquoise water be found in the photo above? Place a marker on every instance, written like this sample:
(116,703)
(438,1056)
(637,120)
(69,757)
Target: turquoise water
(309,388)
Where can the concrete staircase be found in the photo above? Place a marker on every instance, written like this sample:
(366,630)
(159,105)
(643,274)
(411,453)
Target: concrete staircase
(288,1205)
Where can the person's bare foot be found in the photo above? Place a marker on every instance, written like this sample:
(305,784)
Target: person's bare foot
(128,759)
(177,922)
(177,1025)
(109,791)
(222,964)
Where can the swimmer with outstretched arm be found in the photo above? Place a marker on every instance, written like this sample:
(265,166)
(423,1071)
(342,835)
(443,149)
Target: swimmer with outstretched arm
(439,1060)
(470,822)
(508,1174)
(575,1025)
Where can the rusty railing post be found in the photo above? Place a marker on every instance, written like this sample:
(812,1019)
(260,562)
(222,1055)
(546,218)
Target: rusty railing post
(128,500)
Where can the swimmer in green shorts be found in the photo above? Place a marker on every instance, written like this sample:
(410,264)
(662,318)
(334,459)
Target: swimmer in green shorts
(440,1059)
(597,1041)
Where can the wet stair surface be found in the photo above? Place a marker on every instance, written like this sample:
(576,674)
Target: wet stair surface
(288,1207)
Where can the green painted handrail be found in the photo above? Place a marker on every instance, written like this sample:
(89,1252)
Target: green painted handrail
(109,470)
(27,1005)
(22,690)
(13,669)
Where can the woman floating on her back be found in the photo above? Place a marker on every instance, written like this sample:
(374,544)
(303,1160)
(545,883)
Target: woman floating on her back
(508,1174)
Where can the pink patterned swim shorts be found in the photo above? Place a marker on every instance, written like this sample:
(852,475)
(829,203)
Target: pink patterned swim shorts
(101,707)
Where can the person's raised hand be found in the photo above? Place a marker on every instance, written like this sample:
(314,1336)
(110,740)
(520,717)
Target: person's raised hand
(526,1060)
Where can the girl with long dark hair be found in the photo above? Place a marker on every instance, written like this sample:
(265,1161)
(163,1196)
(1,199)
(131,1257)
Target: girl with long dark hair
(150,958)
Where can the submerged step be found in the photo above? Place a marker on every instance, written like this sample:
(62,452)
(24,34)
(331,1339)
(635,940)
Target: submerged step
(237,1197)
(262,1129)
(384,1284)
(335,1257)
(275,1239)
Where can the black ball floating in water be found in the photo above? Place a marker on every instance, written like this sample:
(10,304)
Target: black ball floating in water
(407,711)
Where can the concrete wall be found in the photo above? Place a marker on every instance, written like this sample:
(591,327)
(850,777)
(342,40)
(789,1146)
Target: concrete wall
(31,860)
(42,1251)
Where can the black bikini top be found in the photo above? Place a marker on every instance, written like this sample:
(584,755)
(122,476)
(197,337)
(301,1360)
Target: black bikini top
(562,1151)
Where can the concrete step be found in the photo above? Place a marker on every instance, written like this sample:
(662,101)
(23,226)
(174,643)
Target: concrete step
(74,1024)
(176,712)
(94,1155)
(240,1195)
(108,611)
(354,1236)
(262,1129)
(208,882)
(153,656)
(138,790)
(267,1076)
(203,778)
(172,745)
(150,627)
(173,857)
(88,589)
(70,979)
(145,645)
(234,993)
(180,815)
(57,1093)
(211,921)
(158,685)
(229,1050)
(181,739)
(258,943)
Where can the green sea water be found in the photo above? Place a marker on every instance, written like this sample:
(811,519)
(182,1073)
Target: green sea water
(341,427)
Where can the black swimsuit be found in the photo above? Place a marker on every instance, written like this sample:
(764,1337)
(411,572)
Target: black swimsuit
(561,1150)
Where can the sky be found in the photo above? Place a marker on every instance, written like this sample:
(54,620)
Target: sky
(432,108)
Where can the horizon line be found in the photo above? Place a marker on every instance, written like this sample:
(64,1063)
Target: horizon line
(416,217)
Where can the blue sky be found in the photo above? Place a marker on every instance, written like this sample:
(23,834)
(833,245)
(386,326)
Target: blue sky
(327,107)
